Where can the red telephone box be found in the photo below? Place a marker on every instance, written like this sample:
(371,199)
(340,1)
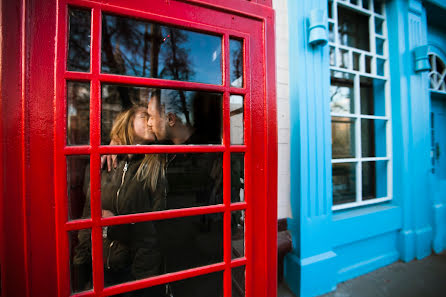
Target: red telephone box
(49,49)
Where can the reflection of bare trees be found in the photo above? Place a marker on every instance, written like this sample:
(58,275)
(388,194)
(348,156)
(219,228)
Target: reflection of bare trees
(79,40)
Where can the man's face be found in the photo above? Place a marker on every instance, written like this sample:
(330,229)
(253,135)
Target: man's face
(157,119)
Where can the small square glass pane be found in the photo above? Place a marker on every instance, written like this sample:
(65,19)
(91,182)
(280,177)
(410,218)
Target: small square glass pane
(78,186)
(344,183)
(238,234)
(379,26)
(80,260)
(356,61)
(144,249)
(78,113)
(147,49)
(354,2)
(380,64)
(372,92)
(154,182)
(368,64)
(331,34)
(374,179)
(343,137)
(373,138)
(330,9)
(366,4)
(79,35)
(165,116)
(379,46)
(342,93)
(332,56)
(353,28)
(343,59)
(236,119)
(237,177)
(378,6)
(238,281)
(236,61)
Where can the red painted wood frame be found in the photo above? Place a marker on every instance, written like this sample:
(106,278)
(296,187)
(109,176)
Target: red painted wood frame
(39,189)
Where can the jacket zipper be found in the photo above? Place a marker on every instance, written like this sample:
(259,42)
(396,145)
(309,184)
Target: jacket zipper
(124,170)
(109,252)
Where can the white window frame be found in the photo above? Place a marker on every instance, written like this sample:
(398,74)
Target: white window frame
(337,46)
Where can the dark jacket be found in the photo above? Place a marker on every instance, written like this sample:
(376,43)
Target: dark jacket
(132,249)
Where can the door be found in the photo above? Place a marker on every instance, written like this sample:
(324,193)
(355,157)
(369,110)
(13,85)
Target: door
(182,94)
(438,135)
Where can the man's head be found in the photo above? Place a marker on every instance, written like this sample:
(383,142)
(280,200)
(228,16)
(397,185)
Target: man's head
(157,119)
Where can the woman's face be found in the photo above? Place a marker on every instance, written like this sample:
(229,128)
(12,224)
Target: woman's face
(142,132)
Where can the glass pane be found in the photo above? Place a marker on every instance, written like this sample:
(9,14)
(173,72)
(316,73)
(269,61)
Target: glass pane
(236,60)
(368,64)
(80,260)
(236,109)
(372,94)
(79,40)
(78,186)
(379,26)
(354,2)
(380,63)
(366,4)
(238,281)
(78,113)
(172,116)
(356,61)
(237,177)
(140,250)
(344,183)
(208,285)
(153,182)
(373,138)
(330,9)
(238,233)
(341,92)
(331,35)
(374,180)
(332,56)
(378,6)
(140,48)
(343,59)
(379,46)
(353,28)
(342,137)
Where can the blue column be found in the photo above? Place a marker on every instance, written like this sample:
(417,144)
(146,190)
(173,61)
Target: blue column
(310,268)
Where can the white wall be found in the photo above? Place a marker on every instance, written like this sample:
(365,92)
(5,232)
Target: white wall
(283,115)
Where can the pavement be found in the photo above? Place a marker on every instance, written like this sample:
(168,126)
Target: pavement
(418,278)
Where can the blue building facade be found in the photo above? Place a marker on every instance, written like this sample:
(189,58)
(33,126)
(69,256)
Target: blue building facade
(367,100)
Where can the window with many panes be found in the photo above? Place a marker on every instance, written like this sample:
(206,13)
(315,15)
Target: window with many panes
(359,103)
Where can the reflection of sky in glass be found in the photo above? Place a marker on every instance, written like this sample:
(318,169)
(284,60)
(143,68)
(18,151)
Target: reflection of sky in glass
(139,48)
(341,99)
(236,61)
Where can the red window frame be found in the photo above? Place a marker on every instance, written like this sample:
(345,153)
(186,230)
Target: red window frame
(250,21)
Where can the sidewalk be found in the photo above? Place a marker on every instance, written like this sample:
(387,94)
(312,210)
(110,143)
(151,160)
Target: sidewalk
(424,278)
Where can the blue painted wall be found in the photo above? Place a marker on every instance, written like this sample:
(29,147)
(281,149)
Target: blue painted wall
(330,247)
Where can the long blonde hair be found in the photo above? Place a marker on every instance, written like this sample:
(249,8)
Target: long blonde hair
(152,168)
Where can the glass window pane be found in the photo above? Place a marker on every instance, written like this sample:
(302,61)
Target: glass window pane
(368,64)
(374,180)
(373,100)
(141,48)
(173,116)
(78,113)
(379,46)
(373,138)
(79,40)
(236,61)
(380,63)
(236,109)
(78,186)
(378,6)
(237,177)
(332,56)
(331,34)
(344,183)
(342,137)
(379,26)
(140,250)
(208,285)
(80,260)
(353,28)
(342,93)
(238,233)
(238,281)
(366,4)
(356,61)
(154,182)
